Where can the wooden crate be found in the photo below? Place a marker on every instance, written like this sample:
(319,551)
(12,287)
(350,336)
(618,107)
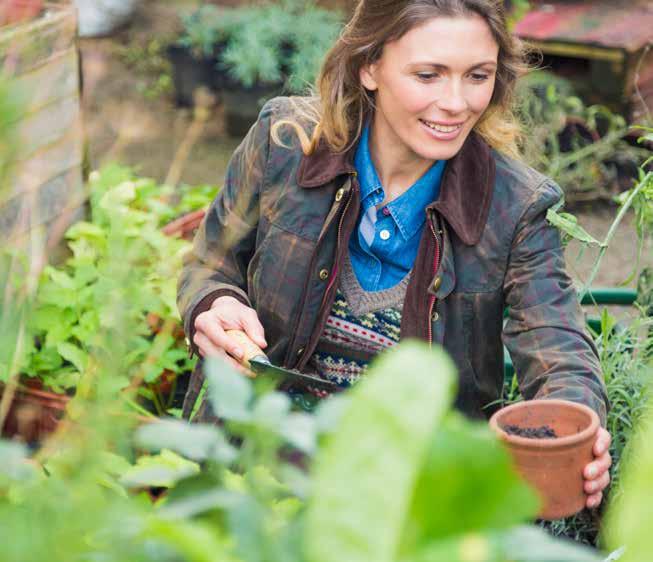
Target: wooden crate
(45,192)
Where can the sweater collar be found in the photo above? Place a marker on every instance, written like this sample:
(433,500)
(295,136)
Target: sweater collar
(465,192)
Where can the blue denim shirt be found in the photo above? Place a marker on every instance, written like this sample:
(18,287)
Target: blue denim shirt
(384,245)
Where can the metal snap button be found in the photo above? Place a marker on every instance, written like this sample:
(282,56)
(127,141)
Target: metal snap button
(324,274)
(384,234)
(436,283)
(339,194)
(435,316)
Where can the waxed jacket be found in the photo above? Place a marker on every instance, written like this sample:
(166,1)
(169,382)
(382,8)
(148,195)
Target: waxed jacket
(277,234)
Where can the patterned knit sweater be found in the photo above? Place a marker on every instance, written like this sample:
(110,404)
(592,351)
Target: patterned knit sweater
(361,324)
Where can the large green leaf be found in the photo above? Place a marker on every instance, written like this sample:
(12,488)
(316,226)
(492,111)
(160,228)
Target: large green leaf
(230,392)
(365,476)
(520,544)
(467,484)
(630,516)
(197,442)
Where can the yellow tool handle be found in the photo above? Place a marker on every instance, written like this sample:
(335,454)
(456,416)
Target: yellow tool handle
(250,349)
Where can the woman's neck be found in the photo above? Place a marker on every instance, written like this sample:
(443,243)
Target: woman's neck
(397,169)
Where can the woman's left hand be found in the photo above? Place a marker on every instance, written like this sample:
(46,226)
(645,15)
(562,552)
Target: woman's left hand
(596,473)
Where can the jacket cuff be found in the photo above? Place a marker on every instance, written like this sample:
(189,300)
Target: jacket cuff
(202,306)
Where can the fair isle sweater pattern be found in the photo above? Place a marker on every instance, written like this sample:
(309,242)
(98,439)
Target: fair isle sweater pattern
(361,325)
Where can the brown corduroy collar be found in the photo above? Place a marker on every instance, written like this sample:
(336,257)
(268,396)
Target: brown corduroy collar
(465,192)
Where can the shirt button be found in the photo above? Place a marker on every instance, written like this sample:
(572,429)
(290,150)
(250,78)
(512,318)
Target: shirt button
(324,274)
(384,234)
(385,211)
(435,317)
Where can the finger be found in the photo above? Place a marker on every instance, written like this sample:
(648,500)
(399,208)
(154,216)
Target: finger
(218,337)
(205,346)
(598,467)
(253,327)
(602,443)
(597,485)
(594,500)
(207,349)
(229,360)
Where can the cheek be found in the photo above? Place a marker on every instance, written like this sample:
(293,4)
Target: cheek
(481,97)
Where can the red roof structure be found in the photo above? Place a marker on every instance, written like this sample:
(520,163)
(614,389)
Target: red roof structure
(614,37)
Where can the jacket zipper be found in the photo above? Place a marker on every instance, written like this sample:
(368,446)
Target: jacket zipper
(300,361)
(436,266)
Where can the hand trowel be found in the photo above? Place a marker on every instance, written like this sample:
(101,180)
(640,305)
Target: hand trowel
(255,359)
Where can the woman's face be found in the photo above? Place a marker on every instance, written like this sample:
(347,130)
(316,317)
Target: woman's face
(431,87)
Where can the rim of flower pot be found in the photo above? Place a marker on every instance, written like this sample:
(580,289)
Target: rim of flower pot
(546,443)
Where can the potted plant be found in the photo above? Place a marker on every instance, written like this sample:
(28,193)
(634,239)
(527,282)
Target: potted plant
(550,442)
(194,56)
(274,49)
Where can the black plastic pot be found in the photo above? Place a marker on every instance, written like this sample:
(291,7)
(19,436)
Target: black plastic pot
(242,105)
(190,72)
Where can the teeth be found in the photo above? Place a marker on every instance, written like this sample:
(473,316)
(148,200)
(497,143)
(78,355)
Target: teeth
(441,128)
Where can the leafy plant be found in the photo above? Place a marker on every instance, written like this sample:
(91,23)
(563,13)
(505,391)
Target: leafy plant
(270,43)
(582,148)
(397,477)
(74,300)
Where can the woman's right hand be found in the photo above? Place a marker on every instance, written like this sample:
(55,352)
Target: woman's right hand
(227,313)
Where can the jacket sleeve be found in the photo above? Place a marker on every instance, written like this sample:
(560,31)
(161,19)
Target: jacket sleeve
(553,355)
(217,263)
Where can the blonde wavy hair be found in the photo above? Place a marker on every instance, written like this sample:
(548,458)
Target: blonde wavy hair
(339,105)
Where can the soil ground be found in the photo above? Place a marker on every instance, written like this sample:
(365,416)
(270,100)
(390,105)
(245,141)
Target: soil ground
(131,119)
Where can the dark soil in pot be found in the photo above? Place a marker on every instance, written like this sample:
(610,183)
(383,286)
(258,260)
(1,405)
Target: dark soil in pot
(552,465)
(190,73)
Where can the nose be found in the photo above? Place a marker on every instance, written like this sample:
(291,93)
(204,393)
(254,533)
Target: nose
(452,98)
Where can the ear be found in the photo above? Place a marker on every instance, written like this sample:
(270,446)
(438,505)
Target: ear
(367,77)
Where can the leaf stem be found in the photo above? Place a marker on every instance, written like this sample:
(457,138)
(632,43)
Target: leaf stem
(613,228)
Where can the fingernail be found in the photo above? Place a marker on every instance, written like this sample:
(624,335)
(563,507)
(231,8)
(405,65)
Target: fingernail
(592,472)
(238,353)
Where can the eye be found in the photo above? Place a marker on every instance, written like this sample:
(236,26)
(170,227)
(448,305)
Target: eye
(426,76)
(479,76)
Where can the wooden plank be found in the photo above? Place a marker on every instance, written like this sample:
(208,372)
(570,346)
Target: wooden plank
(31,209)
(27,45)
(57,79)
(577,51)
(49,125)
(48,163)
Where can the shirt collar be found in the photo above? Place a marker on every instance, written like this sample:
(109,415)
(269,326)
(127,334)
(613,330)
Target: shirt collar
(469,176)
(407,210)
(367,177)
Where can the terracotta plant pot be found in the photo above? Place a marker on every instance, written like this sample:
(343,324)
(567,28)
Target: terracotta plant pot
(553,466)
(15,11)
(33,414)
(185,226)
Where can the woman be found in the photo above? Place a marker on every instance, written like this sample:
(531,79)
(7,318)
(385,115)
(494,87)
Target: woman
(391,206)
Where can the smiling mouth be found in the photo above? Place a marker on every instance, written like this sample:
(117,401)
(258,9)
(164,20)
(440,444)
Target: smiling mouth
(441,128)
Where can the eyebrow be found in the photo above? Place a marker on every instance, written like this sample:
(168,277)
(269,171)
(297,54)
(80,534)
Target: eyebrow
(445,67)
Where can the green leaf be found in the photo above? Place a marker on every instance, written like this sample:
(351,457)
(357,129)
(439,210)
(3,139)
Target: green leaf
(197,442)
(162,470)
(568,224)
(630,518)
(366,474)
(74,355)
(230,392)
(469,477)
